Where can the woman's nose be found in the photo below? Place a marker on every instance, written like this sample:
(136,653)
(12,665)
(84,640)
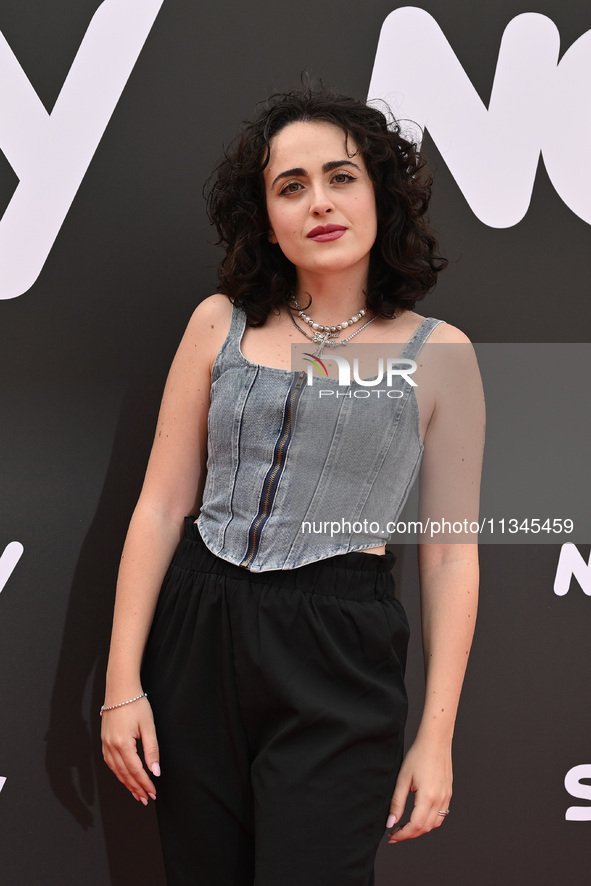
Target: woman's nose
(321,203)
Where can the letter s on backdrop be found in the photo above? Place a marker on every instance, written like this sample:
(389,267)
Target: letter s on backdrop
(572,782)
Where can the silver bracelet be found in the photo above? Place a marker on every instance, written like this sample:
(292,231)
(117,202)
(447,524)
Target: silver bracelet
(120,705)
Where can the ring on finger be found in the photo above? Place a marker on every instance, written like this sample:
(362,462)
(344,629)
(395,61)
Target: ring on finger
(447,811)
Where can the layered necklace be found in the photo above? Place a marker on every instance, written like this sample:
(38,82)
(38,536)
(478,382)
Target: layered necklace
(323,335)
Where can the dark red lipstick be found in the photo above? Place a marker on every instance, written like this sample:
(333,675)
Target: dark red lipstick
(326,232)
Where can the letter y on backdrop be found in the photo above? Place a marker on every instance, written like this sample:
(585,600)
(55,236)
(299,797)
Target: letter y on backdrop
(50,153)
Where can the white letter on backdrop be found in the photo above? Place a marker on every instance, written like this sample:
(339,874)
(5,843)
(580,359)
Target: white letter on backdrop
(566,128)
(571,563)
(12,554)
(50,153)
(535,104)
(572,783)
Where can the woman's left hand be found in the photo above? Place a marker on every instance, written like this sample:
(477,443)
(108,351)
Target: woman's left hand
(427,772)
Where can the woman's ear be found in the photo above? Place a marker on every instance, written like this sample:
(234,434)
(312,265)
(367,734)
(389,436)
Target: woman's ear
(271,236)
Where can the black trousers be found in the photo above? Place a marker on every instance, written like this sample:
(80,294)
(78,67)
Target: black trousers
(280,706)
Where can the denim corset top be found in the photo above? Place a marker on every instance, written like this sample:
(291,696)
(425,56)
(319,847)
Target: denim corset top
(281,463)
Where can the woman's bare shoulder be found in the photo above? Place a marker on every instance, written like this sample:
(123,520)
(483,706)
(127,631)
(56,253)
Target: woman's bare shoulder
(212,317)
(208,327)
(448,334)
(407,323)
(446,363)
(213,310)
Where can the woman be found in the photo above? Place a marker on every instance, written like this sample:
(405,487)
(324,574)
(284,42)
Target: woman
(274,659)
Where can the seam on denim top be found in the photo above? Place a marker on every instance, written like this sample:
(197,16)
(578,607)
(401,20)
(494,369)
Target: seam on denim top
(220,512)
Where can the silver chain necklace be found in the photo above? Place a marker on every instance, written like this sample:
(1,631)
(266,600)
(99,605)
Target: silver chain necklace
(323,334)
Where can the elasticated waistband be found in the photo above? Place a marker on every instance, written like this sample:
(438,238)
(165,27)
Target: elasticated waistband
(353,576)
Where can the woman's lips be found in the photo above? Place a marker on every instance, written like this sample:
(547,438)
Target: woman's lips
(326,232)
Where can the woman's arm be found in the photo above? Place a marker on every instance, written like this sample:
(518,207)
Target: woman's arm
(448,572)
(449,593)
(172,489)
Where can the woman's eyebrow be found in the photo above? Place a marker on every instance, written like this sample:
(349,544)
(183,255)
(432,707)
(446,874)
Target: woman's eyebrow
(326,167)
(334,164)
(297,170)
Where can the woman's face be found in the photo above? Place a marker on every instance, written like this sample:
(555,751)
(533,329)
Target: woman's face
(320,200)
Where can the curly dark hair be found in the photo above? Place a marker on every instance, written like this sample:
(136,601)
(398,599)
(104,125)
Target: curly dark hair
(403,261)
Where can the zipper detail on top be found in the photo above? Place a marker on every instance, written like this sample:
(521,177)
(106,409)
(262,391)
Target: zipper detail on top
(274,473)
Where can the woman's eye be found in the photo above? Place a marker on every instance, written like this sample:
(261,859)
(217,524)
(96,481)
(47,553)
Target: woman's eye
(291,188)
(341,177)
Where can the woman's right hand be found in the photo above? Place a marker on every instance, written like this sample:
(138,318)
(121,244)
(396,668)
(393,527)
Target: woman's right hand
(172,488)
(121,729)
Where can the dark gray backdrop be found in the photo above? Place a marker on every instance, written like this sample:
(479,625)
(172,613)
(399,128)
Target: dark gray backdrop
(83,358)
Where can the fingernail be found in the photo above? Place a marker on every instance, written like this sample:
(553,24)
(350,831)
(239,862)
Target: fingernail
(135,796)
(390,821)
(144,801)
(392,841)
(156,769)
(152,796)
